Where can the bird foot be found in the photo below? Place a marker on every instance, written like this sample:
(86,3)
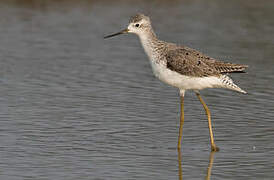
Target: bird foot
(214,148)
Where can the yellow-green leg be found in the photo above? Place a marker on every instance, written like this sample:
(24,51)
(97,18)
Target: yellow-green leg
(180,174)
(213,145)
(182,94)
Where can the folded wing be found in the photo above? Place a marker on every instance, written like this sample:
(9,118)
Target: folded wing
(190,62)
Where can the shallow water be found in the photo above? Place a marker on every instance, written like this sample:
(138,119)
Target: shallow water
(75,106)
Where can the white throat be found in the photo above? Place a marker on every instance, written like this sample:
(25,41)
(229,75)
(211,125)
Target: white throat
(148,41)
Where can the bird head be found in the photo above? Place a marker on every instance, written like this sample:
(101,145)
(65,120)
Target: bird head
(138,24)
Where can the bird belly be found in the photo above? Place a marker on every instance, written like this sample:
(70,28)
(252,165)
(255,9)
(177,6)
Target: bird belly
(182,81)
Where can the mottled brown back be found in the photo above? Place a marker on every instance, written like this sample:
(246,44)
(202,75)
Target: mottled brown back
(190,62)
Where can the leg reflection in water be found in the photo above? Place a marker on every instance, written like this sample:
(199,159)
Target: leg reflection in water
(209,167)
(210,164)
(180,175)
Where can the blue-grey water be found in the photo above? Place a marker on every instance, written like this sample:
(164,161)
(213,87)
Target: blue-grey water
(76,106)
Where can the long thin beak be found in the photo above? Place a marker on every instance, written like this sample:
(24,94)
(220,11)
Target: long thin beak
(118,33)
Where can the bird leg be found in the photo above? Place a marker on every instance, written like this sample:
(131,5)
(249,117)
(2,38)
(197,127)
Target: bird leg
(182,94)
(213,145)
(180,174)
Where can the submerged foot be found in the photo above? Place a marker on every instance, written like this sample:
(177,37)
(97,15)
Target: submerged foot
(214,148)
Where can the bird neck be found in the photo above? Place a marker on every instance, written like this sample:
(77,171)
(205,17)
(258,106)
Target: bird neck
(152,45)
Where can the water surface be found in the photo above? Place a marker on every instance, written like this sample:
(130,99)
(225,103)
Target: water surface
(75,106)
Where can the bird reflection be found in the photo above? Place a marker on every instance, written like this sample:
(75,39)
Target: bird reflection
(209,167)
(210,164)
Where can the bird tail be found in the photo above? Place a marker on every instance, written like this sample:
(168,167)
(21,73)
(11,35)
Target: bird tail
(228,83)
(223,67)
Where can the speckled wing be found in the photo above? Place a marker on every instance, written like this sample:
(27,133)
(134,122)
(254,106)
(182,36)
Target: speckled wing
(190,62)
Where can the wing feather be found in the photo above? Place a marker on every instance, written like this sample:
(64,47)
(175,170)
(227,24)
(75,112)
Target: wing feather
(190,62)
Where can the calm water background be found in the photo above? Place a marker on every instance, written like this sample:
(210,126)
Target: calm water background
(75,106)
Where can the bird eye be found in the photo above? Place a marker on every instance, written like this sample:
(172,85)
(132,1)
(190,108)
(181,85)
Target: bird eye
(137,25)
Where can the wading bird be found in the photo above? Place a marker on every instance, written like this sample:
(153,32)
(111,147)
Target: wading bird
(183,67)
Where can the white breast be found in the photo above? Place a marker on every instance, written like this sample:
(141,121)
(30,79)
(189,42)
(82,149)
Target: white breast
(184,82)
